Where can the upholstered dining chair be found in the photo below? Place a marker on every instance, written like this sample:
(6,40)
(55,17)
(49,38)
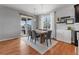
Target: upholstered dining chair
(48,36)
(35,36)
(29,34)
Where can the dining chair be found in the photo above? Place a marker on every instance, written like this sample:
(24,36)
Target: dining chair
(35,35)
(48,36)
(29,34)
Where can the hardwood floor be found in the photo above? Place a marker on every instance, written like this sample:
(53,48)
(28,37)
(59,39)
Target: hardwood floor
(62,49)
(18,47)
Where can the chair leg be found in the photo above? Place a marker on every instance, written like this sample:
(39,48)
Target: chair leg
(31,38)
(50,40)
(35,40)
(47,42)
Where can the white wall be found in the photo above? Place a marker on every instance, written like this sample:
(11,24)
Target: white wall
(9,23)
(34,20)
(52,27)
(65,11)
(40,20)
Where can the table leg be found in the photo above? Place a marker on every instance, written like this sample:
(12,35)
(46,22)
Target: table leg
(42,38)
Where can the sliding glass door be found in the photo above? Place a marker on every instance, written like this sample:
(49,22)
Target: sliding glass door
(26,24)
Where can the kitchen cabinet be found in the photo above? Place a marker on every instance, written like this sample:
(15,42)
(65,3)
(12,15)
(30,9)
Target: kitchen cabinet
(64,35)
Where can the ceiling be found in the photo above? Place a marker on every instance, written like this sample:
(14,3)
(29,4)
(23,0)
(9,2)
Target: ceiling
(35,8)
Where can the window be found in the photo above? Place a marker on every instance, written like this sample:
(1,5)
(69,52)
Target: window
(29,24)
(47,22)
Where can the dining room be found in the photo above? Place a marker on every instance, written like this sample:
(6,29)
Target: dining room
(41,36)
(39,29)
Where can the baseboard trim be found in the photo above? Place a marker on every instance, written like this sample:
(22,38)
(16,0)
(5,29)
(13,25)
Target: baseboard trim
(9,38)
(62,41)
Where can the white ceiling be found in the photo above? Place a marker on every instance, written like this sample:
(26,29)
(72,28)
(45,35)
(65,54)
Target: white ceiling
(35,8)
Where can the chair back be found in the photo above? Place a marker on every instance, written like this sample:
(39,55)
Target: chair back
(33,34)
(29,32)
(49,34)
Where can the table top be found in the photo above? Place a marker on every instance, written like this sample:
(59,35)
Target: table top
(40,31)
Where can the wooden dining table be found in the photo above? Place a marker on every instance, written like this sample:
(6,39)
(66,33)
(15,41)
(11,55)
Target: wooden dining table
(42,35)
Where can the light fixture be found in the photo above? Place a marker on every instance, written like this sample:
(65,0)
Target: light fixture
(34,14)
